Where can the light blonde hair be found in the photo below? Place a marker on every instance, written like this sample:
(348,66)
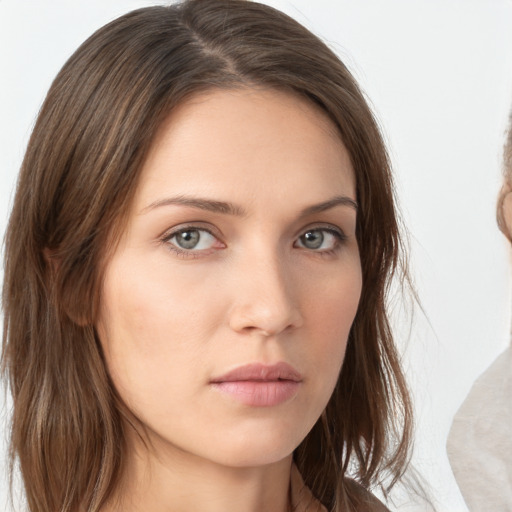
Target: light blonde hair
(507,181)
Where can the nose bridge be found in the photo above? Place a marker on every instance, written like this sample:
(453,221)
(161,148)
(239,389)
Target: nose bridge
(266,295)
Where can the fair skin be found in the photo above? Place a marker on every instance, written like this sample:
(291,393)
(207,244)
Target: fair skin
(239,249)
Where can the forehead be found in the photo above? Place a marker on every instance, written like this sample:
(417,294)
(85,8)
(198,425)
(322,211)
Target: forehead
(223,141)
(260,101)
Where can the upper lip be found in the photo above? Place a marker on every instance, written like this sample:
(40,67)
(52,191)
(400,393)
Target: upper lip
(261,372)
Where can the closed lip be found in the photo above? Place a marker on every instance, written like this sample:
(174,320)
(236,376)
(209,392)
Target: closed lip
(259,385)
(258,372)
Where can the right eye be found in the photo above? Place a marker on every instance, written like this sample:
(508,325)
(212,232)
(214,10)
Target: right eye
(191,240)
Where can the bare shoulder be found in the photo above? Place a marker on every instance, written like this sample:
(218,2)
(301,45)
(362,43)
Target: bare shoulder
(365,500)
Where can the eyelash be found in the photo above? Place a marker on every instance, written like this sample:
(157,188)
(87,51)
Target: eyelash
(191,253)
(184,253)
(339,235)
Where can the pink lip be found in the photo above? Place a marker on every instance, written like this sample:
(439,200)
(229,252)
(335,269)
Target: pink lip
(260,385)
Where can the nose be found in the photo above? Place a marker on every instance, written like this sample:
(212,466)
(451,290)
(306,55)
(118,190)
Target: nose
(266,300)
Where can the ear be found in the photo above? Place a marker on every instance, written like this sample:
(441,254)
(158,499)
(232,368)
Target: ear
(506,212)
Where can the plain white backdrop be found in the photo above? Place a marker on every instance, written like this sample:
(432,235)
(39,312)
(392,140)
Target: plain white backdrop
(439,76)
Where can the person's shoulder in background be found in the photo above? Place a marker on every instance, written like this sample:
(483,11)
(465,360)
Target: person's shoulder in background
(479,444)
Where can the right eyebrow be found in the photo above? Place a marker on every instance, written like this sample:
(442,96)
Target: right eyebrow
(198,202)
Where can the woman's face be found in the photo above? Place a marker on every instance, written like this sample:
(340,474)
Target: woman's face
(227,304)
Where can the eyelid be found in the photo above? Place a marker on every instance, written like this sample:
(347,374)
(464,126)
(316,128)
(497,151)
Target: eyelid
(169,234)
(331,228)
(335,231)
(200,226)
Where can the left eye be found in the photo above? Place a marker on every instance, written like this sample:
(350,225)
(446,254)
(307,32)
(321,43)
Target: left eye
(319,240)
(192,239)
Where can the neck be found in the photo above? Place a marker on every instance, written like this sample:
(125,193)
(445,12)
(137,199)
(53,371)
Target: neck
(165,480)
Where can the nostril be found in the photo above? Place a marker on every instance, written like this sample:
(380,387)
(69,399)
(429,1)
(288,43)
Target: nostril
(252,328)
(254,322)
(266,301)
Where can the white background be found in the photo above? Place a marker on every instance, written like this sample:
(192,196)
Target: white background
(439,75)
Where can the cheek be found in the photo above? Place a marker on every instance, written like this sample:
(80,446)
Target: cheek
(330,319)
(332,306)
(146,301)
(149,328)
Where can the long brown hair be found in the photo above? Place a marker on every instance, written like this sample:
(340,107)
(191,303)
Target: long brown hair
(78,177)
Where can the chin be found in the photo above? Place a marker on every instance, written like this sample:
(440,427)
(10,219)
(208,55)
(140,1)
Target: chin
(252,458)
(260,448)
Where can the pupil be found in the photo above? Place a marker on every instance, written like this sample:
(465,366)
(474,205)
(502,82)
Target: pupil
(188,239)
(313,239)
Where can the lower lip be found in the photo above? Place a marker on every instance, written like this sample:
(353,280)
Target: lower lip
(259,393)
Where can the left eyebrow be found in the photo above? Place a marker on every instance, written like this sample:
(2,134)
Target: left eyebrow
(327,205)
